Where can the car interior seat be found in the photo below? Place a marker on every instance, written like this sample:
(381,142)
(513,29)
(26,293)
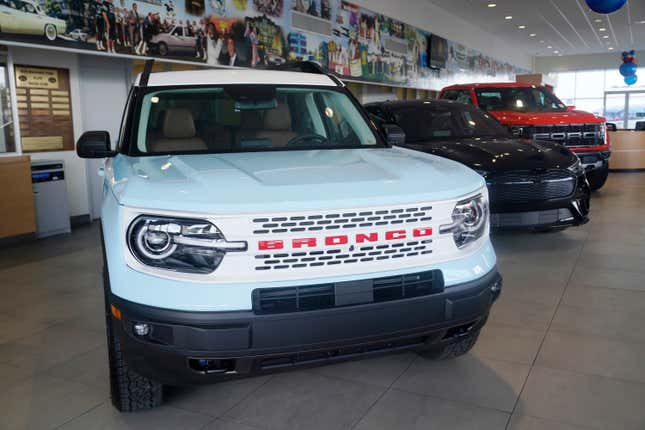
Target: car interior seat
(178,133)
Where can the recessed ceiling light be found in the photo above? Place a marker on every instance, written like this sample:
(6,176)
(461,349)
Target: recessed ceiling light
(521,27)
(556,52)
(597,20)
(508,17)
(549,47)
(602,29)
(642,21)
(606,36)
(559,55)
(532,35)
(541,41)
(492,4)
(611,48)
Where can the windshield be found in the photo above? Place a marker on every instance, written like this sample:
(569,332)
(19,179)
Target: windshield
(239,118)
(519,99)
(445,122)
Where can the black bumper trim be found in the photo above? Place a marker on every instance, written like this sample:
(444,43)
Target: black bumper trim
(247,343)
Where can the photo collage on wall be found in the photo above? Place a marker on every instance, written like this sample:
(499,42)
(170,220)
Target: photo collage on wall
(344,38)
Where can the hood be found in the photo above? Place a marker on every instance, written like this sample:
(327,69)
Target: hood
(497,155)
(546,118)
(280,181)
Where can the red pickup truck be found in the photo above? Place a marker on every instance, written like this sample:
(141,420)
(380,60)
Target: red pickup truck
(534,112)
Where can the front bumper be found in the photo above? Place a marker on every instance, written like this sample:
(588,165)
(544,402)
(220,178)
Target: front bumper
(185,348)
(572,210)
(593,160)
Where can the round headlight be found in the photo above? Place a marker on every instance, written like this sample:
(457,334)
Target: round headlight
(469,221)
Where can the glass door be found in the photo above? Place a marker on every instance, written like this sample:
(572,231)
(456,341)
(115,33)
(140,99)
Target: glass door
(636,111)
(616,108)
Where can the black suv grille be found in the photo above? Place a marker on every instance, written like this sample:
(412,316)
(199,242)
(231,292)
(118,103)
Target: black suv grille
(324,296)
(526,187)
(572,135)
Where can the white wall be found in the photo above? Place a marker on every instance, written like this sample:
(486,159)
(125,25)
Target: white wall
(74,166)
(572,63)
(427,16)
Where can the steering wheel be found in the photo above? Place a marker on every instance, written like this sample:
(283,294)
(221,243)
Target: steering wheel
(304,139)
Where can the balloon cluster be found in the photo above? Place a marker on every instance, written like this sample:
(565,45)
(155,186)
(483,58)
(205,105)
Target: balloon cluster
(605,6)
(628,68)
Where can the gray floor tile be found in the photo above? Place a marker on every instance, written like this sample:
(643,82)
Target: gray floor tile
(381,371)
(508,343)
(524,422)
(222,424)
(586,400)
(593,355)
(106,417)
(477,381)
(602,322)
(12,375)
(43,402)
(215,399)
(89,368)
(402,410)
(604,298)
(631,263)
(608,278)
(303,400)
(547,293)
(519,313)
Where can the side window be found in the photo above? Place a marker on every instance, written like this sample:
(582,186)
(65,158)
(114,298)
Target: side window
(461,96)
(178,31)
(490,100)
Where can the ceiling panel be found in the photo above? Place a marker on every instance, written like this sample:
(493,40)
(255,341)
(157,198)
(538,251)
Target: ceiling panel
(560,27)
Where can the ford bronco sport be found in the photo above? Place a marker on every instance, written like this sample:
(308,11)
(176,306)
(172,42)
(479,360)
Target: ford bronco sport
(255,221)
(533,112)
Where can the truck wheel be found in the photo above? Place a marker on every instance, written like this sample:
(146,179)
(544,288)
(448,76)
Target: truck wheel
(598,177)
(451,350)
(163,49)
(129,391)
(50,32)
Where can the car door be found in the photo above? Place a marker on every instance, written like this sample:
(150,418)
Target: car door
(27,20)
(187,40)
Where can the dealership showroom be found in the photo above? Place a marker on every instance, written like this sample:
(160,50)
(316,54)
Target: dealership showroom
(322,214)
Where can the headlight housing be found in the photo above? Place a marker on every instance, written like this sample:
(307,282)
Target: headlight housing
(469,221)
(576,168)
(179,244)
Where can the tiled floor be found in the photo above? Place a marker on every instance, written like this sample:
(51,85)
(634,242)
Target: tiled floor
(564,348)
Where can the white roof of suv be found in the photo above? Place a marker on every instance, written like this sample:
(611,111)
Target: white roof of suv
(236,76)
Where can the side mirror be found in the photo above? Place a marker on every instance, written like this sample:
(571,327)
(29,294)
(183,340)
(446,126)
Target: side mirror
(393,134)
(611,126)
(94,144)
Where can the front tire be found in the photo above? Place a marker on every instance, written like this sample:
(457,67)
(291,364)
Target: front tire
(50,32)
(163,49)
(598,177)
(449,351)
(129,390)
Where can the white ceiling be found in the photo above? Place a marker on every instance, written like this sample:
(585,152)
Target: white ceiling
(566,26)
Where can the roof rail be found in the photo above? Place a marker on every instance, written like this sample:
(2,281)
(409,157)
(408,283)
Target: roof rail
(304,67)
(145,75)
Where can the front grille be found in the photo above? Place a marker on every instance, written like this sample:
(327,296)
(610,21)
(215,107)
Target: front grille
(571,135)
(325,296)
(341,220)
(360,254)
(527,187)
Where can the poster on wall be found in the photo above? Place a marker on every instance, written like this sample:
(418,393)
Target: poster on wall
(44,109)
(344,38)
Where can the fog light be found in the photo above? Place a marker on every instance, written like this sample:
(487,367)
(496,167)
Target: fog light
(141,329)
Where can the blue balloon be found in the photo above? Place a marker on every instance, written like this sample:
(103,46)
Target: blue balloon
(605,6)
(631,80)
(628,69)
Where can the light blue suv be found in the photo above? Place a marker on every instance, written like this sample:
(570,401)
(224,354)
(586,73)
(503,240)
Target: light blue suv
(256,220)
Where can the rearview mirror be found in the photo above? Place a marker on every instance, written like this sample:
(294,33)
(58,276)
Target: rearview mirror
(393,134)
(94,144)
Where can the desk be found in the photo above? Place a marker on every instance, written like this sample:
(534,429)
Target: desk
(17,214)
(627,150)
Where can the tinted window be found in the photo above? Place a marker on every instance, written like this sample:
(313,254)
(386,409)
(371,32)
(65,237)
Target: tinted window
(240,118)
(461,96)
(440,122)
(519,99)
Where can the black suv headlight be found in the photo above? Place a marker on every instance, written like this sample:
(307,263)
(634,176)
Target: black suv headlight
(576,168)
(178,244)
(469,220)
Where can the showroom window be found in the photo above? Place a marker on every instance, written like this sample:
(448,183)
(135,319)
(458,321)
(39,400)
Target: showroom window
(602,92)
